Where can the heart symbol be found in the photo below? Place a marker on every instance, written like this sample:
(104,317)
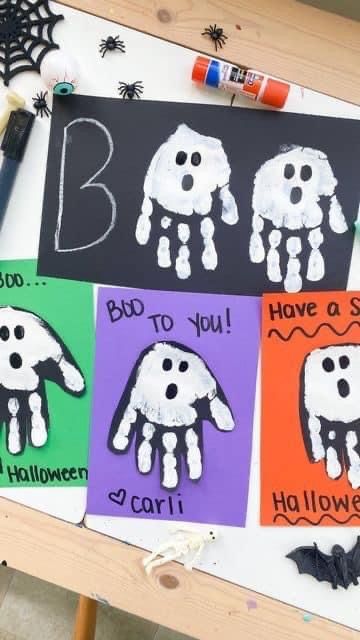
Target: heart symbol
(118,496)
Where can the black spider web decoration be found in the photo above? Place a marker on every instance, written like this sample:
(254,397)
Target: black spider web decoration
(25,35)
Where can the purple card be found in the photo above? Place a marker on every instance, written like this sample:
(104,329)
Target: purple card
(174,392)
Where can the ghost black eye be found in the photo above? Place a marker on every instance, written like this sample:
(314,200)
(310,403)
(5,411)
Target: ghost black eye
(344,362)
(328,365)
(183,366)
(306,172)
(4,333)
(19,332)
(289,171)
(167,364)
(196,159)
(181,157)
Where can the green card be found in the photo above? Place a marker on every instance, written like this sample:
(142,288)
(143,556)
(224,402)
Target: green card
(46,359)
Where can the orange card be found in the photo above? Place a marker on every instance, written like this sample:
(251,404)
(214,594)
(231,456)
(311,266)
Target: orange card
(310,438)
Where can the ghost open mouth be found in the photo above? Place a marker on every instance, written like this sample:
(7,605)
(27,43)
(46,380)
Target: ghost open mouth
(295,195)
(169,393)
(183,175)
(187,182)
(287,191)
(15,361)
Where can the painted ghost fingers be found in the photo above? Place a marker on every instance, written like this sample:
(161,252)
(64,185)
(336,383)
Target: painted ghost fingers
(183,175)
(30,352)
(168,395)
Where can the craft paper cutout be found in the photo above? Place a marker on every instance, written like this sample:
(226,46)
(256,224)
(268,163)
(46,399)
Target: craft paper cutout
(169,392)
(310,409)
(173,405)
(45,378)
(193,197)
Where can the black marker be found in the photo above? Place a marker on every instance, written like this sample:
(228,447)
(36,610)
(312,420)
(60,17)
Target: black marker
(13,145)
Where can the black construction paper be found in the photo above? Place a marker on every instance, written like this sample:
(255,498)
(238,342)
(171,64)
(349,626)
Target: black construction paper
(105,157)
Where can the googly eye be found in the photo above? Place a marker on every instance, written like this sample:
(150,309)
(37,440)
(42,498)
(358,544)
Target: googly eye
(289,171)
(4,333)
(19,332)
(167,364)
(183,366)
(63,88)
(305,173)
(181,157)
(196,159)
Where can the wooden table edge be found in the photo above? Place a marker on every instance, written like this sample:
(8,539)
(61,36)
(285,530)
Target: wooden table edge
(110,571)
(284,38)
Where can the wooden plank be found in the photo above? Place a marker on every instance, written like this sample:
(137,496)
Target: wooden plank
(285,38)
(103,568)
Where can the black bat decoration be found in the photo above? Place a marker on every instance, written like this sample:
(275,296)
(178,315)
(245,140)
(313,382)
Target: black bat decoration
(339,568)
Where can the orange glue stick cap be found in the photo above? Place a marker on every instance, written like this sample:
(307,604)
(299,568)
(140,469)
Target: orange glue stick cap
(275,93)
(200,69)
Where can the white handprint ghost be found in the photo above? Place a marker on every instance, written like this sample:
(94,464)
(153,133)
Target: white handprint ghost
(30,352)
(170,392)
(329,409)
(182,177)
(288,192)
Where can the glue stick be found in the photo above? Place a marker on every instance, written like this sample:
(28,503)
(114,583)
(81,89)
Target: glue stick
(241,81)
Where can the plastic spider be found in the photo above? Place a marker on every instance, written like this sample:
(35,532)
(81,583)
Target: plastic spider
(110,44)
(216,34)
(40,104)
(131,91)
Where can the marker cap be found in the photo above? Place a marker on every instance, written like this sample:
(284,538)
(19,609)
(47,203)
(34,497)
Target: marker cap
(17,133)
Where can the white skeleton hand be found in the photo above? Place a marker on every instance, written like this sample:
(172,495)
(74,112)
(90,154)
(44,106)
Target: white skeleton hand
(329,410)
(30,352)
(287,191)
(183,174)
(169,393)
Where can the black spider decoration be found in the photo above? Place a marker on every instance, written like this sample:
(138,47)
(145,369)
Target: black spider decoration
(26,28)
(110,44)
(40,104)
(131,91)
(216,34)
